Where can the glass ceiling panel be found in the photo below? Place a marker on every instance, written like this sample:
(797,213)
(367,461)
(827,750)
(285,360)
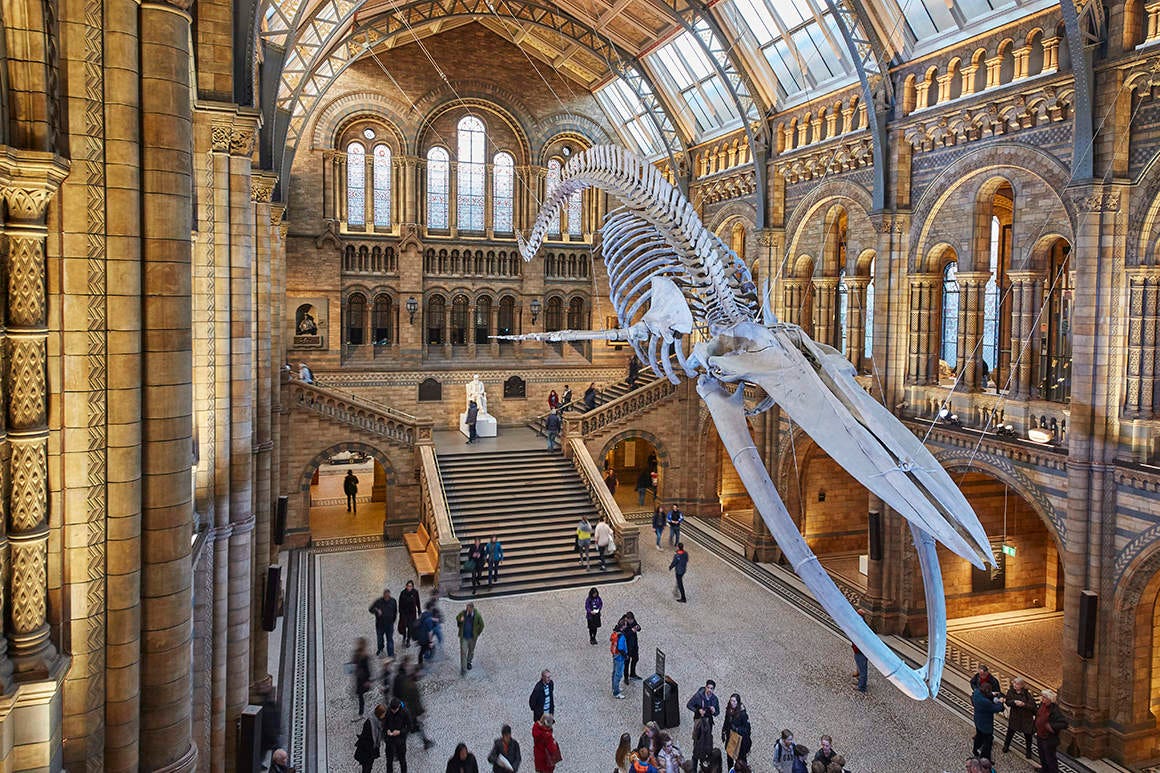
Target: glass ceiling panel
(927,19)
(683,67)
(630,118)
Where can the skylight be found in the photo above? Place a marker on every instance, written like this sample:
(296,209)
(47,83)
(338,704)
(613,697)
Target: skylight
(630,118)
(684,68)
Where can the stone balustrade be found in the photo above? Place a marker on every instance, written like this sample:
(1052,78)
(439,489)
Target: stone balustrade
(394,425)
(626,533)
(620,410)
(436,516)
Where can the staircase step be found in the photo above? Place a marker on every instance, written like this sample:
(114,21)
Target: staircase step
(556,581)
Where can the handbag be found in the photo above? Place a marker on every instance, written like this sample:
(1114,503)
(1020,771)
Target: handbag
(554,753)
(733,745)
(576,545)
(611,547)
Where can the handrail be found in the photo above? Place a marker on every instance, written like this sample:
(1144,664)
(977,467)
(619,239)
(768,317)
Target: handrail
(623,407)
(626,533)
(436,516)
(367,415)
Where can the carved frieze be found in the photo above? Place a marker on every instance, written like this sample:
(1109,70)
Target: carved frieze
(841,156)
(242,141)
(219,137)
(262,189)
(1008,114)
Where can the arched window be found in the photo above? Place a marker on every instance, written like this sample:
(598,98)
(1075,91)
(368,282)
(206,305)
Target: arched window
(554,314)
(470,174)
(842,314)
(950,314)
(436,313)
(991,303)
(868,318)
(506,319)
(552,181)
(576,215)
(356,184)
(382,317)
(503,182)
(482,322)
(438,179)
(737,239)
(1055,360)
(382,179)
(356,319)
(576,320)
(459,320)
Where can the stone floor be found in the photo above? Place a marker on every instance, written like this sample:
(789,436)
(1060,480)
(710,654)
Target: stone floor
(791,671)
(1026,642)
(452,441)
(334,522)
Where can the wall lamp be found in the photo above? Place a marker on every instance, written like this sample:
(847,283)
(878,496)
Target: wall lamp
(536,307)
(412,308)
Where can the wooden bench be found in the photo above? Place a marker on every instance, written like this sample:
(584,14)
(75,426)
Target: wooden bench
(417,540)
(427,562)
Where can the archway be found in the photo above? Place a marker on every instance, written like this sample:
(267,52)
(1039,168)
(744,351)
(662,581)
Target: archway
(1010,615)
(638,460)
(833,510)
(324,498)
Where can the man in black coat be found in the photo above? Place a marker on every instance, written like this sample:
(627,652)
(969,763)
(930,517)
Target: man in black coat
(1049,722)
(472,416)
(350,488)
(680,564)
(543,698)
(704,703)
(508,748)
(410,607)
(386,611)
(396,725)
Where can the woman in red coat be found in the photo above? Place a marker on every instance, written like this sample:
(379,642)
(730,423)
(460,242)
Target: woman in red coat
(546,750)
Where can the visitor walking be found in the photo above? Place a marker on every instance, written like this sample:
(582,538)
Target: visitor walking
(584,541)
(619,649)
(623,752)
(680,565)
(545,750)
(396,726)
(436,617)
(350,488)
(543,698)
(552,426)
(736,731)
(462,761)
(630,627)
(669,758)
(424,635)
(494,559)
(783,752)
(360,670)
(658,523)
(605,545)
(590,397)
(553,401)
(592,606)
(505,752)
(986,706)
(1021,718)
(611,481)
(476,557)
(366,746)
(703,744)
(675,519)
(406,689)
(704,703)
(863,665)
(470,419)
(470,624)
(409,610)
(643,484)
(386,611)
(1049,721)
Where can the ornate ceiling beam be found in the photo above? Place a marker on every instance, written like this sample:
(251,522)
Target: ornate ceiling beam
(1083,23)
(871,64)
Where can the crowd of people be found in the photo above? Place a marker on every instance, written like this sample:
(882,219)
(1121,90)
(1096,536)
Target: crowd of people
(1042,720)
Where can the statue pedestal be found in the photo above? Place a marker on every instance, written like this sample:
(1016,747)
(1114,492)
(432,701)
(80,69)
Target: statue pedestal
(485,425)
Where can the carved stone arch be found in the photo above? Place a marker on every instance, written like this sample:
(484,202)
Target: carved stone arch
(1144,216)
(341,109)
(663,457)
(734,210)
(376,453)
(966,460)
(1137,580)
(485,98)
(973,170)
(362,289)
(855,198)
(552,140)
(593,132)
(792,448)
(394,139)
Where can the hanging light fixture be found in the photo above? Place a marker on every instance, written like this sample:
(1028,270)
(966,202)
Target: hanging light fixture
(536,307)
(412,308)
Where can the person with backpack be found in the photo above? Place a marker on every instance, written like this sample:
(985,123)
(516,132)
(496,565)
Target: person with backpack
(494,551)
(618,647)
(675,519)
(396,726)
(592,607)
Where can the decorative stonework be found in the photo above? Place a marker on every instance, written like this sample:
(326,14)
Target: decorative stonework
(219,135)
(29,481)
(1008,114)
(262,190)
(26,292)
(242,141)
(841,156)
(1096,202)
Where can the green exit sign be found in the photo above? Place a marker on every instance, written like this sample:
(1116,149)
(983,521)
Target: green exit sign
(1008,550)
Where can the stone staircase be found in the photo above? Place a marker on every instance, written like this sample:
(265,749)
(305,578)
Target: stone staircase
(532,500)
(606,395)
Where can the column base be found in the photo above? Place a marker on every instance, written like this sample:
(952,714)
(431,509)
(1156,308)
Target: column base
(33,655)
(186,764)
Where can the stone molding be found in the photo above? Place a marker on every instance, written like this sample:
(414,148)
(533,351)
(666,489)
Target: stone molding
(262,189)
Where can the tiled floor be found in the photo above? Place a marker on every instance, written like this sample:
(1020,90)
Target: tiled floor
(334,521)
(791,672)
(452,441)
(1030,646)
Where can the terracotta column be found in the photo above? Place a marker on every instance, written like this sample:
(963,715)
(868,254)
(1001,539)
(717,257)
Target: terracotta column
(1143,357)
(856,320)
(1026,308)
(167,399)
(972,302)
(923,340)
(825,328)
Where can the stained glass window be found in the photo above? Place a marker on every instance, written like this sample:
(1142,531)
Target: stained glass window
(382,193)
(991,304)
(950,314)
(438,178)
(868,335)
(470,175)
(503,182)
(576,214)
(550,186)
(356,184)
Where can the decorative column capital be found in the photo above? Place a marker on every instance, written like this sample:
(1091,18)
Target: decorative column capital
(972,278)
(262,187)
(28,181)
(219,137)
(242,140)
(917,280)
(277,212)
(1025,276)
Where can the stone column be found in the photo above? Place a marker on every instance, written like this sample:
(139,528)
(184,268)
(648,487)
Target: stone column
(793,294)
(968,74)
(825,327)
(241,422)
(856,319)
(1026,305)
(993,65)
(1153,11)
(1051,53)
(1022,61)
(923,338)
(1143,366)
(167,399)
(972,302)
(262,188)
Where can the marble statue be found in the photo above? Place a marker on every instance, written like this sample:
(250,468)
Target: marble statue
(673,281)
(485,424)
(477,392)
